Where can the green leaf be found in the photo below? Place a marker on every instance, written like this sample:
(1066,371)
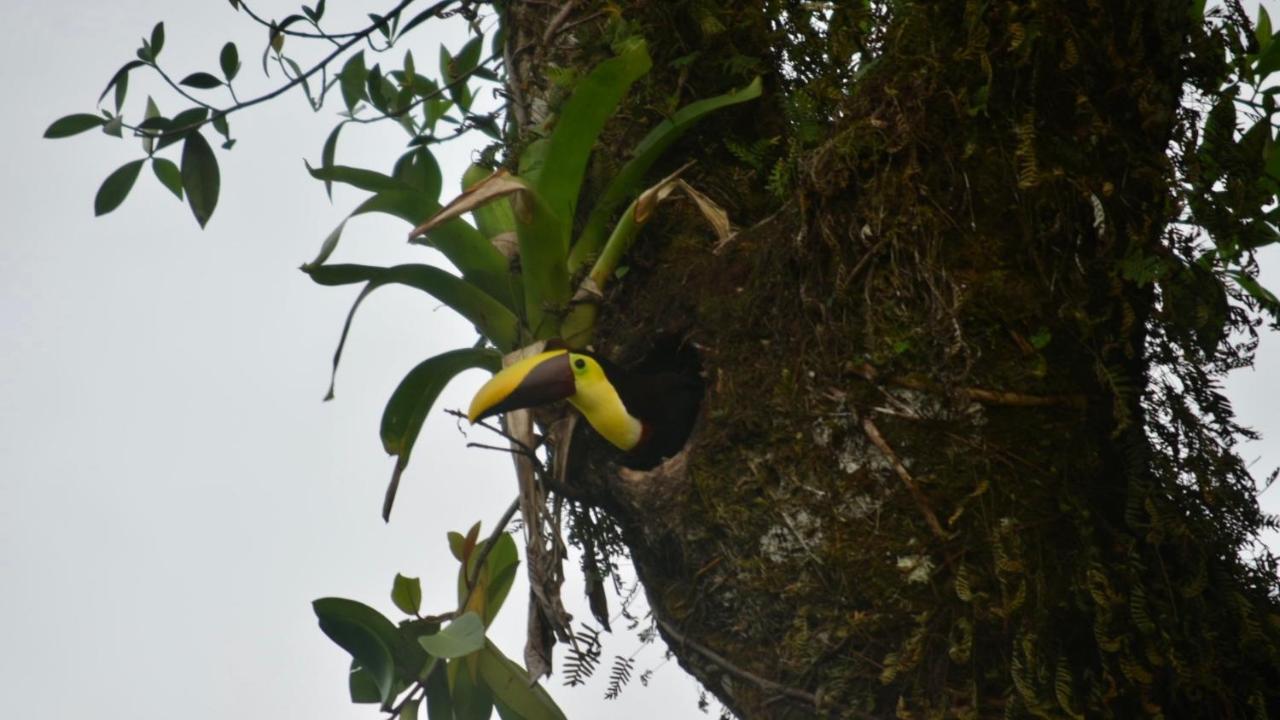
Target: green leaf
(365,634)
(418,169)
(490,317)
(628,180)
(352,80)
(414,397)
(326,248)
(116,188)
(463,636)
(182,125)
(328,153)
(439,703)
(370,180)
(168,174)
(500,574)
(121,77)
(471,699)
(513,687)
(494,218)
(373,85)
(594,101)
(362,685)
(157,40)
(460,65)
(229,60)
(200,178)
(69,125)
(406,593)
(201,80)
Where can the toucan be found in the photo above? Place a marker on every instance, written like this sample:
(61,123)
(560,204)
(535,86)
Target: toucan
(646,416)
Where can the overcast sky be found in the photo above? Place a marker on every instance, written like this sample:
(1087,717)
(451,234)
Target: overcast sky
(173,493)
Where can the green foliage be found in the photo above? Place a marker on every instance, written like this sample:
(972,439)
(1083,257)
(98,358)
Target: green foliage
(454,667)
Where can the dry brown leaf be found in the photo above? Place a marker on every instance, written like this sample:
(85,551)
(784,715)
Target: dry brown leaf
(500,184)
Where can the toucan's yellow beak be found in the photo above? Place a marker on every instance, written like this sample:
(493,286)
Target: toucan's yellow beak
(537,380)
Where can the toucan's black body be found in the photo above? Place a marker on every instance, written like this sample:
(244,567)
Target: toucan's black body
(667,403)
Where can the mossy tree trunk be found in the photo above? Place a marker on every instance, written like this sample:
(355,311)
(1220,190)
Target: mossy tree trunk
(927,479)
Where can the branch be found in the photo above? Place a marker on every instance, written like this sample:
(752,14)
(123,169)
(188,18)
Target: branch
(873,433)
(353,39)
(765,684)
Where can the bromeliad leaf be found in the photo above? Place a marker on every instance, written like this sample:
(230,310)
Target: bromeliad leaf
(627,181)
(361,178)
(583,116)
(491,318)
(413,399)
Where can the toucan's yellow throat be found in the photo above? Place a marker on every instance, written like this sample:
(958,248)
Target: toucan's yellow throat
(561,375)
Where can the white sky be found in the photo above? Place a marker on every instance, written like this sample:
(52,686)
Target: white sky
(173,493)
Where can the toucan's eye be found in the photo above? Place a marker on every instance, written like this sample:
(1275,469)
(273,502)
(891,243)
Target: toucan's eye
(580,364)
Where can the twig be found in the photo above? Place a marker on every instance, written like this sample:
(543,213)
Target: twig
(357,37)
(765,684)
(873,433)
(988,397)
(419,689)
(557,20)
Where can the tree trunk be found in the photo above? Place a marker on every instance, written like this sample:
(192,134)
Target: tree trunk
(927,478)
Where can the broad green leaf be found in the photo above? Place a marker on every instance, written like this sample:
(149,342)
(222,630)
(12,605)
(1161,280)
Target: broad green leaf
(362,685)
(463,636)
(500,574)
(229,60)
(472,700)
(439,704)
(406,593)
(201,80)
(628,180)
(116,187)
(200,178)
(157,40)
(593,102)
(513,687)
(168,174)
(414,397)
(1262,29)
(456,543)
(352,80)
(410,710)
(69,125)
(365,634)
(370,180)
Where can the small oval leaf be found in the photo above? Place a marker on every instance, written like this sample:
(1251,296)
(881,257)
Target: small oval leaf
(229,59)
(200,178)
(201,80)
(116,187)
(73,125)
(168,174)
(406,593)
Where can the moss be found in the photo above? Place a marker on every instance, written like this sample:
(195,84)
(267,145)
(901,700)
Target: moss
(935,222)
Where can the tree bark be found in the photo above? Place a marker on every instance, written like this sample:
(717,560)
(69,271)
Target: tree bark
(923,482)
